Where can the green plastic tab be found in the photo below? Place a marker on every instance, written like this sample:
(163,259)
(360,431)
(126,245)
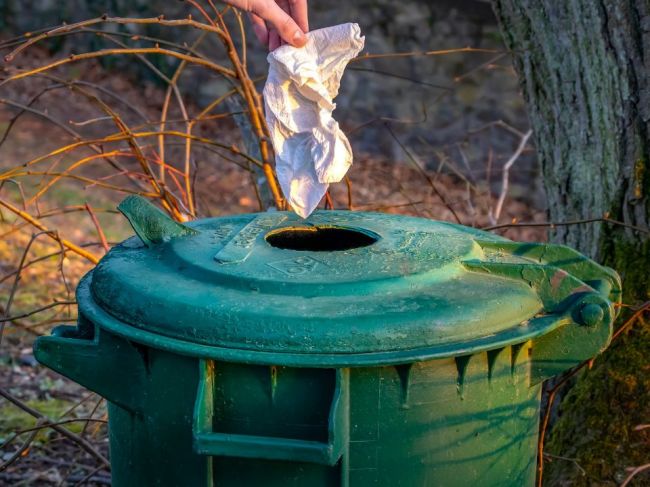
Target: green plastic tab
(151,224)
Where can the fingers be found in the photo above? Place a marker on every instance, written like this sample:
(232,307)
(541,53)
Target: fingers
(287,29)
(299,13)
(275,40)
(280,27)
(259,28)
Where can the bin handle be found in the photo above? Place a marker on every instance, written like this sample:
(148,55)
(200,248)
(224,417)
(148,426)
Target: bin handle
(92,357)
(209,442)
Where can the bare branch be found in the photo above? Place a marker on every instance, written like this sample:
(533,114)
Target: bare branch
(112,20)
(108,52)
(37,310)
(505,179)
(98,227)
(440,52)
(60,429)
(567,223)
(634,473)
(36,223)
(423,173)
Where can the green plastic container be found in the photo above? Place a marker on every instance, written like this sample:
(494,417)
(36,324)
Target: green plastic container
(348,349)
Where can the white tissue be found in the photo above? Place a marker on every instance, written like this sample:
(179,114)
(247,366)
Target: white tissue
(311,151)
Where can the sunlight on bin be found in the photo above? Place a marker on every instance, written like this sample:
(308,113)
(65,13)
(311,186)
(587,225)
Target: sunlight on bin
(348,349)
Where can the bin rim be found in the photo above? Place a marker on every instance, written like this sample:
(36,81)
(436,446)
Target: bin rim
(529,330)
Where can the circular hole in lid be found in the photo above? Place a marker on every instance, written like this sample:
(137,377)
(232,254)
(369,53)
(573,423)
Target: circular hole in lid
(319,239)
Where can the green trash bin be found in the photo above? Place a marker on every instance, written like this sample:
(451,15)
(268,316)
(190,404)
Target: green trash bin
(348,349)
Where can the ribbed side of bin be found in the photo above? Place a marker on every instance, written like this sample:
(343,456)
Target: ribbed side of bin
(452,422)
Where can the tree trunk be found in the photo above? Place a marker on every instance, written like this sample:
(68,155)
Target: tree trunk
(584,67)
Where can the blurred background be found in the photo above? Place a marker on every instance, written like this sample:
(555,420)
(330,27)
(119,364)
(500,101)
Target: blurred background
(438,130)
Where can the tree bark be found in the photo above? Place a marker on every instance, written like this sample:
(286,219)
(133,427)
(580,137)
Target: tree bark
(584,67)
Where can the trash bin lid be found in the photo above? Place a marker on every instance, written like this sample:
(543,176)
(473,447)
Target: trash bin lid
(341,287)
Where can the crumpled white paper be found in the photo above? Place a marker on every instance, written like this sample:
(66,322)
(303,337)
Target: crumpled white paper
(311,151)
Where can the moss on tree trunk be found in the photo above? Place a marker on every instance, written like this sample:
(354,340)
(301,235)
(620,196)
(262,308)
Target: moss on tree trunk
(584,68)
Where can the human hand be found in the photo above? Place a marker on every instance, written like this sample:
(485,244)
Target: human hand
(276,22)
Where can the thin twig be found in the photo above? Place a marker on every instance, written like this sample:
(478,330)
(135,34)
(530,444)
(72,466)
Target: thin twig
(61,265)
(567,223)
(500,124)
(50,213)
(111,20)
(90,121)
(109,52)
(88,476)
(120,137)
(94,146)
(403,78)
(36,223)
(487,63)
(37,310)
(15,118)
(385,120)
(92,413)
(440,52)
(98,227)
(89,181)
(329,204)
(85,445)
(372,207)
(14,287)
(505,178)
(45,425)
(20,324)
(27,108)
(140,37)
(634,473)
(20,452)
(348,185)
(423,173)
(44,188)
(77,404)
(567,459)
